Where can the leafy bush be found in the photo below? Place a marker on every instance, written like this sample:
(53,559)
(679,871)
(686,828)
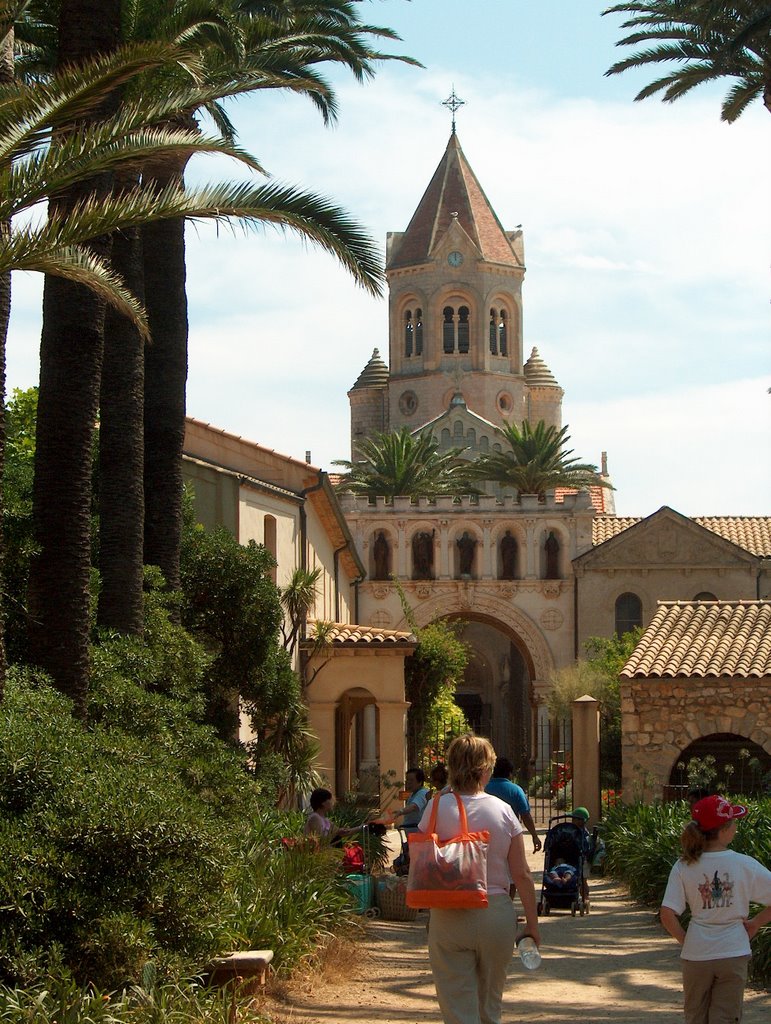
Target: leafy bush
(643,842)
(287,899)
(61,1001)
(110,857)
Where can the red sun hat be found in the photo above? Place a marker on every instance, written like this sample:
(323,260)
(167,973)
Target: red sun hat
(715,811)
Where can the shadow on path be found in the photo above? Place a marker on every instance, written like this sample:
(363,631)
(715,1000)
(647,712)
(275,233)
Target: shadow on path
(615,965)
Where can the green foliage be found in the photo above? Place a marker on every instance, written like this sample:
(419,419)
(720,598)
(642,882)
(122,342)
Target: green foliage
(437,664)
(287,899)
(607,656)
(110,857)
(403,463)
(297,599)
(231,604)
(643,842)
(535,461)
(20,416)
(700,41)
(61,1001)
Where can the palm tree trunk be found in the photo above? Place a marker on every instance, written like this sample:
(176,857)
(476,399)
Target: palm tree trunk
(121,454)
(70,368)
(165,380)
(6,75)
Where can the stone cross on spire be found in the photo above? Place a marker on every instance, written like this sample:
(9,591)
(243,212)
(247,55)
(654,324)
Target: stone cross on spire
(453,103)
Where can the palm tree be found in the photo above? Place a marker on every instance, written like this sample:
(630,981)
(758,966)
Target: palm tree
(536,461)
(282,42)
(31,170)
(402,463)
(706,40)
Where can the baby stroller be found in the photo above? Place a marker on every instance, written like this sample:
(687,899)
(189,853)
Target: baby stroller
(567,843)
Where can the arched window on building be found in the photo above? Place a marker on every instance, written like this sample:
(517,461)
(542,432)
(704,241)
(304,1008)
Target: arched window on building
(463,330)
(269,540)
(628,613)
(448,330)
(503,338)
(493,333)
(418,332)
(705,595)
(409,333)
(552,551)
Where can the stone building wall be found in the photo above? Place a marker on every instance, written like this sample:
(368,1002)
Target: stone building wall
(661,717)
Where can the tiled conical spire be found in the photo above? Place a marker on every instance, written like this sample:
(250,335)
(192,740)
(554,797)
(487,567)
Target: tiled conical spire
(537,373)
(453,192)
(374,374)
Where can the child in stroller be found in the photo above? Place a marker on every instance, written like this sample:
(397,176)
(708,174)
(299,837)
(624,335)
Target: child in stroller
(564,868)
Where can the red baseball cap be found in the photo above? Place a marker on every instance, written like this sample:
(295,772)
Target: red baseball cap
(715,811)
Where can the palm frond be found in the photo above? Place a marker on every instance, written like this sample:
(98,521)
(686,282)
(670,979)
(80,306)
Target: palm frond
(76,264)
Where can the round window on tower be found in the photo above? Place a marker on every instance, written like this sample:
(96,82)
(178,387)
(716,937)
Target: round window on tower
(505,403)
(408,403)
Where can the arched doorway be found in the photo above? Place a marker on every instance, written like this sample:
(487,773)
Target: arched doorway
(720,762)
(494,694)
(357,743)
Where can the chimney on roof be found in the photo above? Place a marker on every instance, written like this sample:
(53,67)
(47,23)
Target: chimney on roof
(308,456)
(604,464)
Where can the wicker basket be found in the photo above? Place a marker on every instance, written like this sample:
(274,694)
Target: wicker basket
(390,893)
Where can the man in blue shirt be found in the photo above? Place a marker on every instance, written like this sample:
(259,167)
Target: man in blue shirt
(416,802)
(500,785)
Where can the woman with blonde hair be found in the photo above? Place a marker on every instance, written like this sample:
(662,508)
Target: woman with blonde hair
(718,885)
(470,950)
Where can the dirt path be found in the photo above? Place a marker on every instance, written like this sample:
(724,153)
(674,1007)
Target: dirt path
(615,965)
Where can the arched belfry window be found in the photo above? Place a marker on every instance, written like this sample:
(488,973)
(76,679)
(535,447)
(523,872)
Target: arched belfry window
(503,337)
(409,332)
(418,332)
(628,613)
(456,330)
(499,332)
(448,330)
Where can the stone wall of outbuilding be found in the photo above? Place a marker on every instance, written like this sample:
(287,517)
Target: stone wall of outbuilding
(661,717)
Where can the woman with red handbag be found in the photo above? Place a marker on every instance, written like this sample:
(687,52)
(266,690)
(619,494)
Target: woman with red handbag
(470,949)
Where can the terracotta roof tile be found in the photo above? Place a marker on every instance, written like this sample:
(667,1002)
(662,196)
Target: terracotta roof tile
(599,496)
(352,635)
(454,191)
(703,639)
(753,533)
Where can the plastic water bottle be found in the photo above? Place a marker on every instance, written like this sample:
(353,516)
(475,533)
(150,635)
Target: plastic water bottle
(528,953)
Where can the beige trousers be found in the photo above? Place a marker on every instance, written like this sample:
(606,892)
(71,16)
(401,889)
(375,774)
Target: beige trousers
(714,990)
(470,951)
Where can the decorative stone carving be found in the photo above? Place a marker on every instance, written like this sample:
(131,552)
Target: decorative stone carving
(552,618)
(380,592)
(551,589)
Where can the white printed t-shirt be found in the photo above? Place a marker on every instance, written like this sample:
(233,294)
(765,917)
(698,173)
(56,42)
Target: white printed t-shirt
(718,888)
(484,813)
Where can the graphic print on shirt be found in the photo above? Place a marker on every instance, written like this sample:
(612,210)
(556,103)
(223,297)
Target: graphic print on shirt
(717,892)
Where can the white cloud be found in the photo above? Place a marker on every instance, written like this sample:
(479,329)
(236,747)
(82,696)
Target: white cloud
(646,231)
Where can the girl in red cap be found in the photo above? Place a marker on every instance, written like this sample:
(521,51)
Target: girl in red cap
(718,885)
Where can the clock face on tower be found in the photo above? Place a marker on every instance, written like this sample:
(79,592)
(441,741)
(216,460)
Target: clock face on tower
(455,259)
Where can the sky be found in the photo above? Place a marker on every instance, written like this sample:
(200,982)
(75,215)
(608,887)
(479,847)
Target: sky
(646,229)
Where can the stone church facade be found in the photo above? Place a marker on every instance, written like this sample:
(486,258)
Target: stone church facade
(530,579)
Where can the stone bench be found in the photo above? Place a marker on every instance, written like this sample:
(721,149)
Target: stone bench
(240,966)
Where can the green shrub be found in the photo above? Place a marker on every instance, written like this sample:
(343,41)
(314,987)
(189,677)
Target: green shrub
(112,854)
(287,898)
(643,842)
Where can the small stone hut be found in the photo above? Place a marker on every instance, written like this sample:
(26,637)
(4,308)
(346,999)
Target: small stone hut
(699,679)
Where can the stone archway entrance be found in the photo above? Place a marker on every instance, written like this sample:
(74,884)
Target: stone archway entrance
(496,691)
